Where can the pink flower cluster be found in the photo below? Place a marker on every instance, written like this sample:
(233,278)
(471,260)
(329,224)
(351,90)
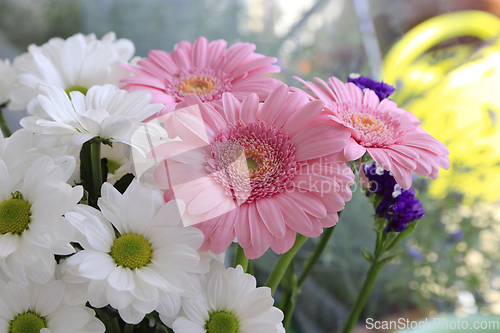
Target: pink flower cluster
(258,161)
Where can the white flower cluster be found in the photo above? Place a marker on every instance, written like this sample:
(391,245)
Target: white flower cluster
(130,253)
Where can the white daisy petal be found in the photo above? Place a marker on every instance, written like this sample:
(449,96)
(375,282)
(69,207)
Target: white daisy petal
(18,296)
(234,293)
(151,277)
(4,182)
(217,293)
(184,325)
(50,297)
(96,265)
(97,293)
(169,304)
(121,279)
(118,299)
(99,237)
(60,323)
(8,244)
(130,315)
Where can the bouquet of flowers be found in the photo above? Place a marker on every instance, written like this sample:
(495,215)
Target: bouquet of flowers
(132,177)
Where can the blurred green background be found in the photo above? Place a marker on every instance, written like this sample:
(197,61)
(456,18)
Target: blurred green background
(450,264)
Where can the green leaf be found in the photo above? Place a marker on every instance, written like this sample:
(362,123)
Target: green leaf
(109,321)
(367,254)
(86,172)
(122,184)
(387,259)
(104,169)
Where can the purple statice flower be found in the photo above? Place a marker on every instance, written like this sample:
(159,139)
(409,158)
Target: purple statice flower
(381,89)
(406,209)
(398,206)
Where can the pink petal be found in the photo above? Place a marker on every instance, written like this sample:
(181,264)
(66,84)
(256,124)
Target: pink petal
(353,150)
(231,107)
(315,183)
(381,157)
(223,234)
(402,159)
(371,99)
(271,216)
(200,49)
(261,237)
(294,100)
(182,59)
(243,226)
(402,175)
(164,60)
(254,64)
(249,108)
(308,203)
(317,227)
(303,117)
(216,50)
(235,55)
(330,220)
(318,147)
(273,104)
(333,201)
(282,245)
(294,217)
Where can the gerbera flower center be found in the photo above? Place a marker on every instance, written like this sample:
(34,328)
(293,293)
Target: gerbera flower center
(27,322)
(14,215)
(222,322)
(81,89)
(131,251)
(372,128)
(252,161)
(207,84)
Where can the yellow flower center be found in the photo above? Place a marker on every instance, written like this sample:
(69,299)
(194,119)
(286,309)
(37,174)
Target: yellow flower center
(81,89)
(27,322)
(131,251)
(365,123)
(14,215)
(222,322)
(198,84)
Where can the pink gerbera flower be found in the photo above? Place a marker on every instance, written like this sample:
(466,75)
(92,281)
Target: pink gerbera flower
(205,69)
(391,135)
(257,171)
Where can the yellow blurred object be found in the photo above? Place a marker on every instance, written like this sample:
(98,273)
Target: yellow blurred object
(455,91)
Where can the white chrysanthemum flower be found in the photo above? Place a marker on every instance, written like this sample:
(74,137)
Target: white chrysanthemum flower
(229,302)
(32,226)
(147,264)
(16,152)
(8,80)
(40,308)
(74,64)
(106,112)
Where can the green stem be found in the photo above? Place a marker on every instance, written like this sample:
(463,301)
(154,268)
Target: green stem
(290,299)
(314,258)
(129,328)
(3,125)
(363,294)
(282,264)
(95,155)
(240,258)
(288,308)
(250,269)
